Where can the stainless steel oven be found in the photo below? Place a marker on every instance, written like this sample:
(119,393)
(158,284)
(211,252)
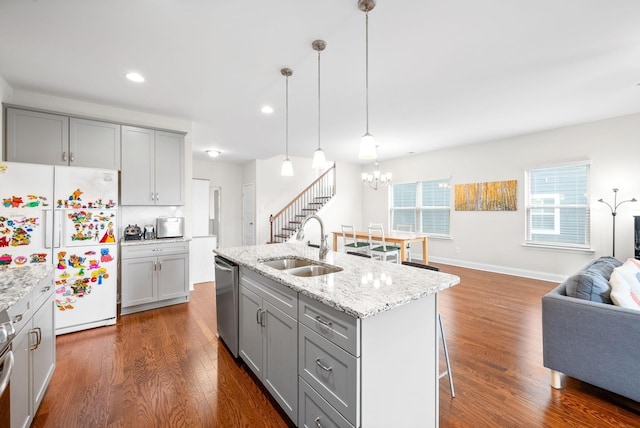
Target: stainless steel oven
(7,333)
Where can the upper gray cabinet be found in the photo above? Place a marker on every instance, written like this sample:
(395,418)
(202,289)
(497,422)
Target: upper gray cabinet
(45,138)
(152,167)
(94,144)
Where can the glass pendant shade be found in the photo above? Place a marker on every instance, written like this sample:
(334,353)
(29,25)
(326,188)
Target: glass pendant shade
(287,168)
(367,147)
(319,159)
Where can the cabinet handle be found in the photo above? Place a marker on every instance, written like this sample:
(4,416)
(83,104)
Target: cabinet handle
(317,421)
(35,342)
(155,266)
(157,196)
(260,317)
(71,158)
(64,156)
(159,266)
(153,197)
(45,289)
(323,321)
(17,318)
(322,366)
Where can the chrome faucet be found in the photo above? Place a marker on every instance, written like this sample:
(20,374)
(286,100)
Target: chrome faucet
(324,248)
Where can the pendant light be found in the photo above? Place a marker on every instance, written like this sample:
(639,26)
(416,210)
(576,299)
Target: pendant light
(287,165)
(367,142)
(319,158)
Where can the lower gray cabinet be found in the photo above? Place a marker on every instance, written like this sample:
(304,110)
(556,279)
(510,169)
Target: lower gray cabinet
(316,412)
(269,338)
(154,275)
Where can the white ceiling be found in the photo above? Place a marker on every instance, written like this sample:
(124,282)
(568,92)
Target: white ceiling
(442,73)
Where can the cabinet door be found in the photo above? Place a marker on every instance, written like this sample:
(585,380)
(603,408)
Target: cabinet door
(21,409)
(173,280)
(44,355)
(138,281)
(94,144)
(169,168)
(137,167)
(281,358)
(251,349)
(36,137)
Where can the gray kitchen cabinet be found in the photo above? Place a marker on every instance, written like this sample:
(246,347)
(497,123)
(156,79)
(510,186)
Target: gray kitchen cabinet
(152,167)
(54,139)
(154,275)
(37,137)
(34,351)
(94,144)
(269,337)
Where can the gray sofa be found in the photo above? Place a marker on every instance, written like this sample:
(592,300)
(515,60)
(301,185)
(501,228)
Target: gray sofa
(589,338)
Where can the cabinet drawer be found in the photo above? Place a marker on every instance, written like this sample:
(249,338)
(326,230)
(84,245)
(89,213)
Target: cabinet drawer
(151,250)
(316,412)
(331,371)
(43,292)
(333,325)
(278,295)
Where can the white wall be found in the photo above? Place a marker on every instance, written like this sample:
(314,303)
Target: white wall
(273,192)
(229,177)
(493,240)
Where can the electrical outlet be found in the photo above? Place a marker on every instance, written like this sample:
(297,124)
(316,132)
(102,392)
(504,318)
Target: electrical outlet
(457,250)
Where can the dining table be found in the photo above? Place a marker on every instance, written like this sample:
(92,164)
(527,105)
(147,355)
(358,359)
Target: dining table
(399,238)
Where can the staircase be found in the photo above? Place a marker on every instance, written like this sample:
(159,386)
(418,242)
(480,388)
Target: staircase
(288,220)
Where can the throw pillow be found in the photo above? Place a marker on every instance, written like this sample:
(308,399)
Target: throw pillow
(592,282)
(625,285)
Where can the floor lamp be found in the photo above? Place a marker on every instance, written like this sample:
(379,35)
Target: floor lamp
(614,211)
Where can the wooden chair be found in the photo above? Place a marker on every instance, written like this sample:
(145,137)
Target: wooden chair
(350,241)
(447,372)
(406,228)
(380,249)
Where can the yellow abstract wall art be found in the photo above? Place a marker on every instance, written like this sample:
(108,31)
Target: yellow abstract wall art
(488,196)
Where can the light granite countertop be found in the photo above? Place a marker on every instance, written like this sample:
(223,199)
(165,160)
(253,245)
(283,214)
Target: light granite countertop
(156,241)
(16,283)
(362,289)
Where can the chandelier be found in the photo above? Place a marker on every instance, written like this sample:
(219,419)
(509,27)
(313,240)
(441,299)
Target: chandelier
(376,180)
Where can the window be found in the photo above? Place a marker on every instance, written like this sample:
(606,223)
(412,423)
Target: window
(558,206)
(424,205)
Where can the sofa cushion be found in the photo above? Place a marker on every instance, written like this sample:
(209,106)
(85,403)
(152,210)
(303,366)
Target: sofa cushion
(625,285)
(592,281)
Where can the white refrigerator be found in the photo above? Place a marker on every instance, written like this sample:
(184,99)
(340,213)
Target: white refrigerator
(66,216)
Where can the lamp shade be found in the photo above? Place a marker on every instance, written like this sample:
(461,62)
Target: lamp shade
(287,168)
(367,147)
(319,159)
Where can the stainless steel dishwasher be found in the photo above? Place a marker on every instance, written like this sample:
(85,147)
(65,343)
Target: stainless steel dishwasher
(227,296)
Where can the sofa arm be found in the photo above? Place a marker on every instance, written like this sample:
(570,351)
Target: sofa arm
(594,342)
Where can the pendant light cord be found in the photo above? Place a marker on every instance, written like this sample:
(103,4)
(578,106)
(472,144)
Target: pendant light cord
(367,65)
(286,104)
(319,100)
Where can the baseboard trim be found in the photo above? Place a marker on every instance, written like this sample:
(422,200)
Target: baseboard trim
(543,276)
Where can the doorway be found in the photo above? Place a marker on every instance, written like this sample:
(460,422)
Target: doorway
(248,214)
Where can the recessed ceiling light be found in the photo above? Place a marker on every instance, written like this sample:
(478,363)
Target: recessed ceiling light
(213,153)
(267,109)
(135,77)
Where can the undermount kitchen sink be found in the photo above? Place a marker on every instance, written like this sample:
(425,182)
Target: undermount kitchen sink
(301,267)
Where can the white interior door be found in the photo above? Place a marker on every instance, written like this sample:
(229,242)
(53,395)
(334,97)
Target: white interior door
(248,214)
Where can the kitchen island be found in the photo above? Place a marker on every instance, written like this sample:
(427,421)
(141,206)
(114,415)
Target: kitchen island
(354,348)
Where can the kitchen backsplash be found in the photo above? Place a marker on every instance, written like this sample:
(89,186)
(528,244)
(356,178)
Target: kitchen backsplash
(144,215)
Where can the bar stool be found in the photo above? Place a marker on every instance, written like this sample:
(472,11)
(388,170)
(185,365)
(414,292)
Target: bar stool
(447,372)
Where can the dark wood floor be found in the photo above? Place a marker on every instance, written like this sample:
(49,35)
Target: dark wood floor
(165,368)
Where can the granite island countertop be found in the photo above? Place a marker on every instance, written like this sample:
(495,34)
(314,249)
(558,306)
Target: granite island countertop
(364,287)
(16,283)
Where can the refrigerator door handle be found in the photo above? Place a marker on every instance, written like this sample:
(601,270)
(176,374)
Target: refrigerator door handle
(48,228)
(57,220)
